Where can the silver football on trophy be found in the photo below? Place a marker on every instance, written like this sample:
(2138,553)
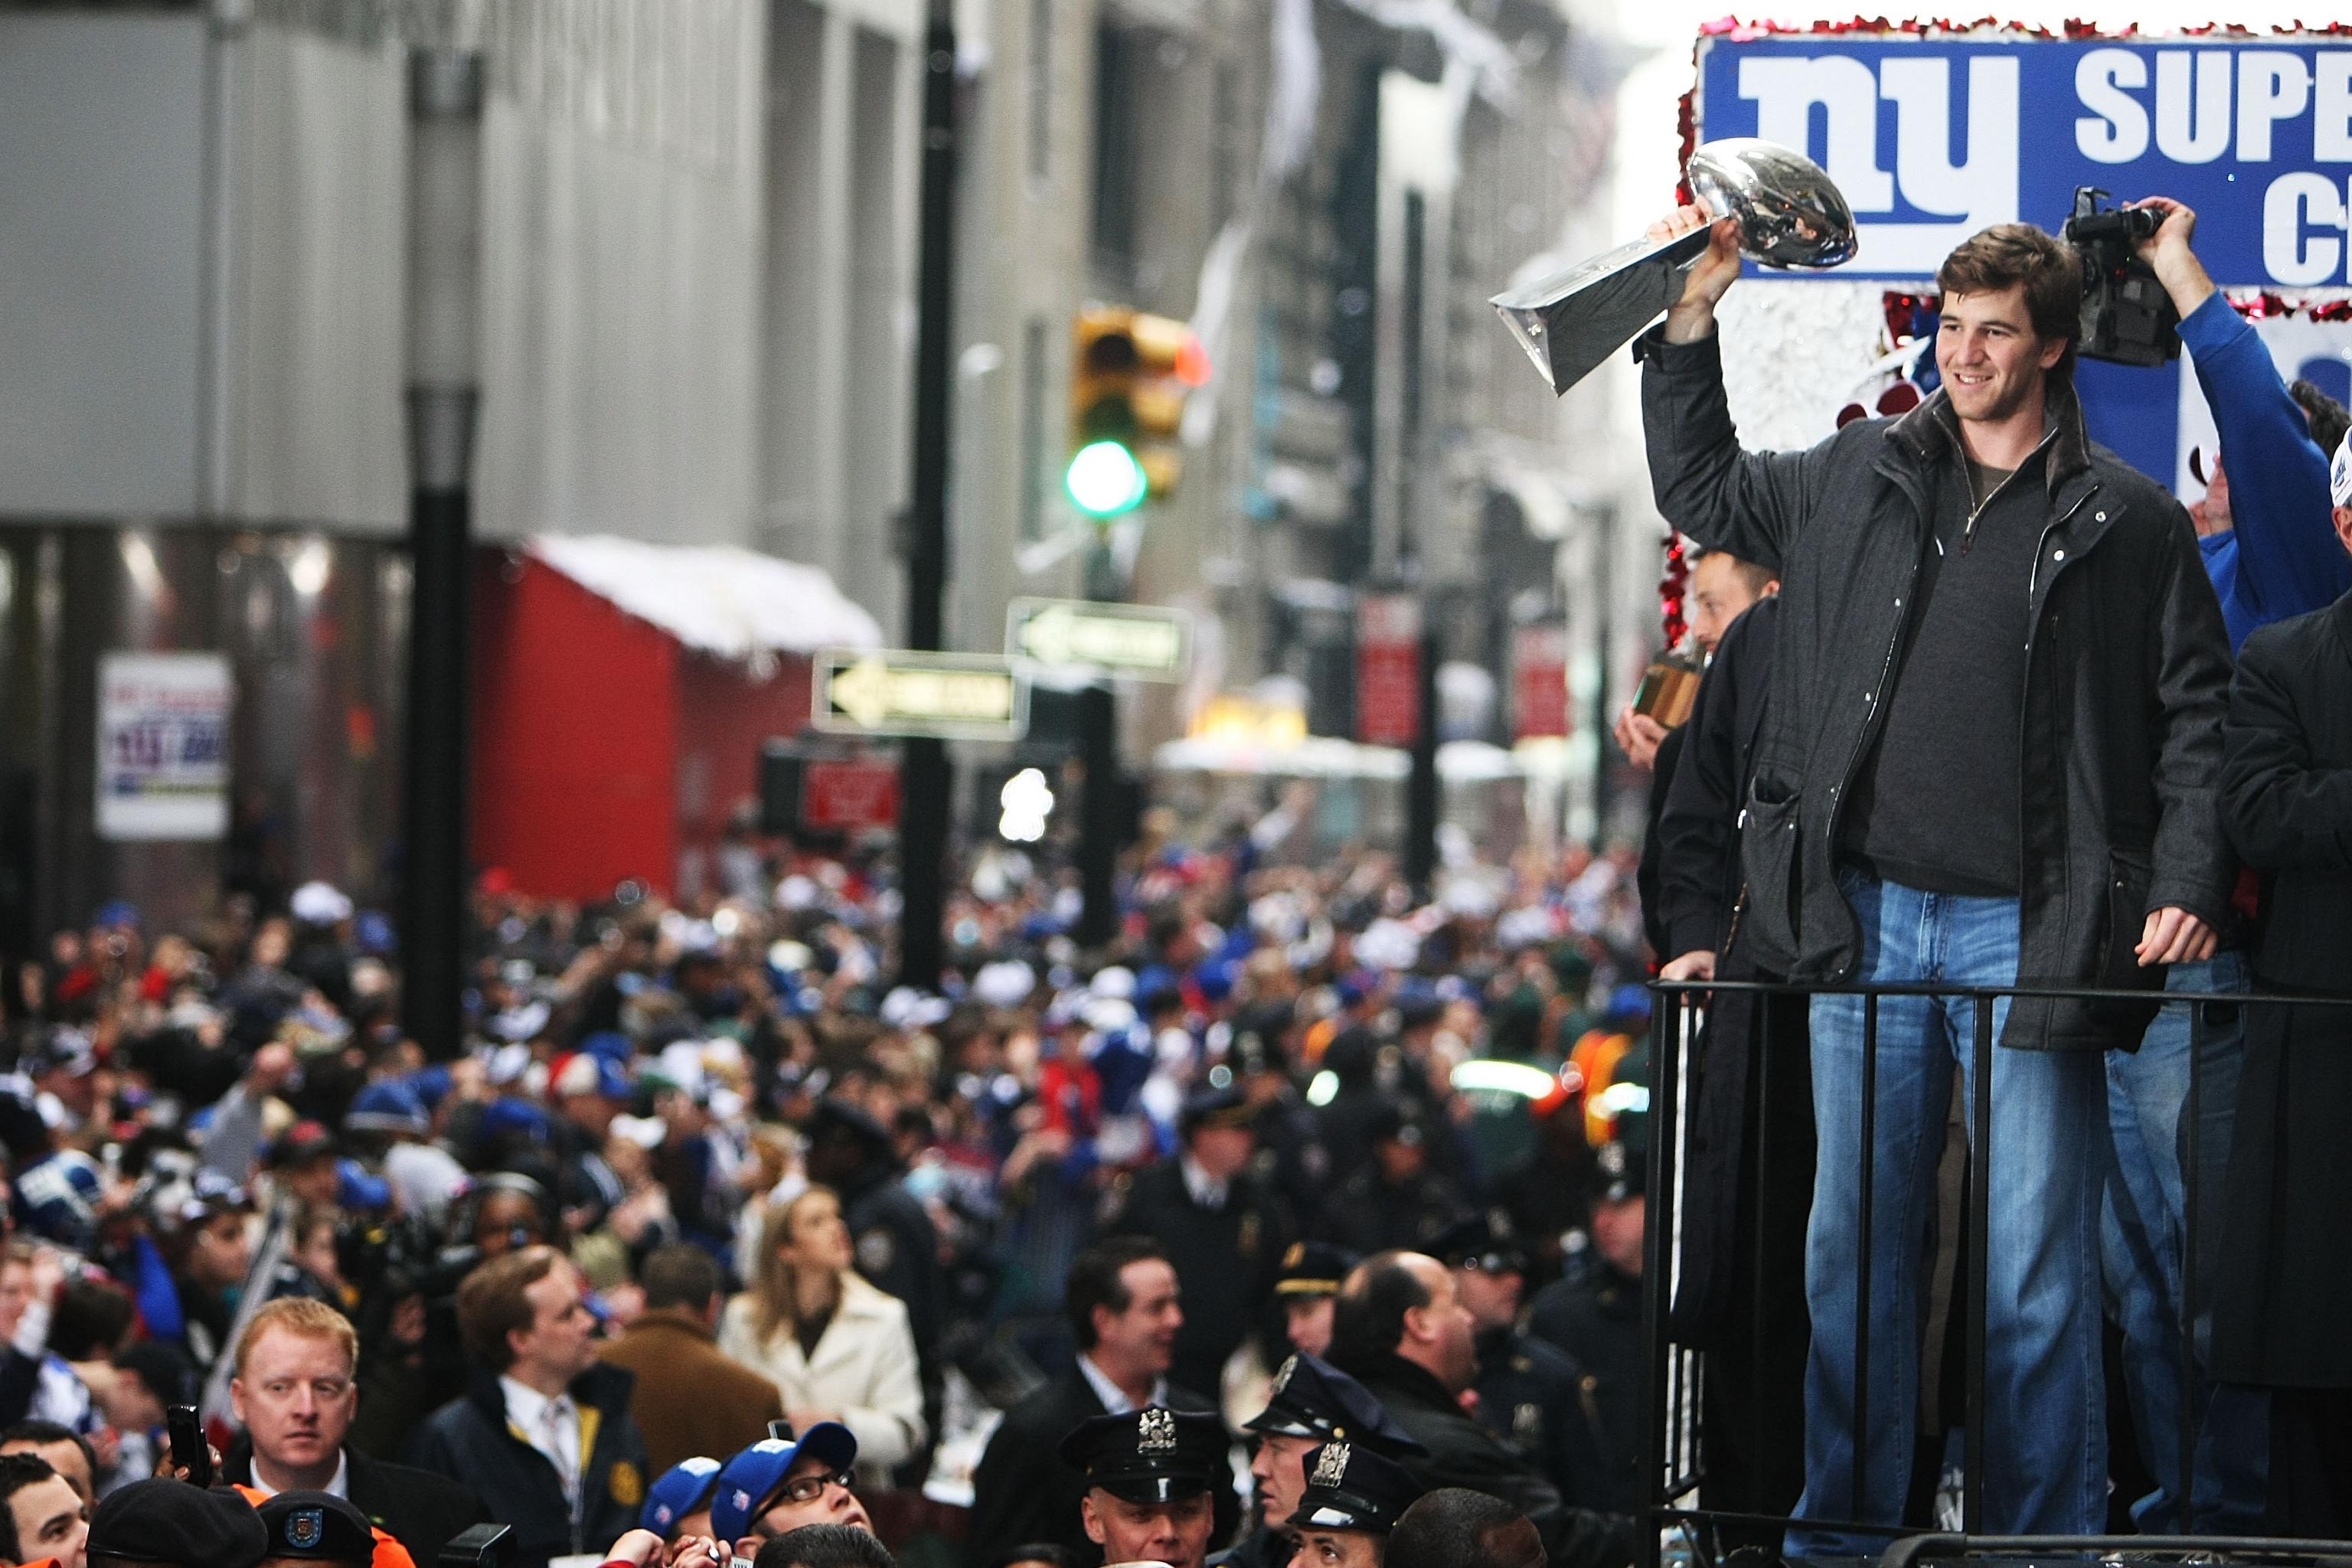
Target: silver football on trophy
(1789,216)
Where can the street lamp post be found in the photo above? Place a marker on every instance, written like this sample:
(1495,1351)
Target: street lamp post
(444,203)
(924,777)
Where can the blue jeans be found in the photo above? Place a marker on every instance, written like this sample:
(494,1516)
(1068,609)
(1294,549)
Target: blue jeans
(2143,1233)
(2045,1434)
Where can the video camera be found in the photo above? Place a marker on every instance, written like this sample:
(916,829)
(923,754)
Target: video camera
(2128,317)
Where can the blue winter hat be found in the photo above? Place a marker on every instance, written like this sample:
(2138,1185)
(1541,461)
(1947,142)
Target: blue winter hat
(358,1188)
(387,1107)
(612,1045)
(519,1117)
(683,1488)
(747,1484)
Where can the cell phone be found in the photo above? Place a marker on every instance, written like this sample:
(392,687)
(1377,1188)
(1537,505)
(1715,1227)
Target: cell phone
(481,1546)
(781,1430)
(188,1448)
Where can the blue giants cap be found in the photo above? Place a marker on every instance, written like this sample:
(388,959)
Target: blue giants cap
(747,1483)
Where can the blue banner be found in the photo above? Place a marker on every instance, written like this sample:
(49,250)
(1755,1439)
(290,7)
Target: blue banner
(1932,139)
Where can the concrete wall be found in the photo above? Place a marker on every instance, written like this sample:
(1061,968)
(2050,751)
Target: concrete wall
(101,264)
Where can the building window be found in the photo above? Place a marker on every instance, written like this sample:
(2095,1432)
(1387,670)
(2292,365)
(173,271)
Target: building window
(1036,453)
(1041,90)
(1118,57)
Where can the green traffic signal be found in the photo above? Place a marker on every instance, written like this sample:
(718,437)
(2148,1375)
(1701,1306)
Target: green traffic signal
(1105,479)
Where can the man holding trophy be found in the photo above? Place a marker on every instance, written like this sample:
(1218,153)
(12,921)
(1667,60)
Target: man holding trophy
(1988,759)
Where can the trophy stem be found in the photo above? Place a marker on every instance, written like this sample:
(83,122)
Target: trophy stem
(1570,321)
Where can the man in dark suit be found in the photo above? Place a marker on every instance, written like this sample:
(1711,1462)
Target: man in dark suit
(1403,1332)
(1751,1088)
(691,1397)
(544,1426)
(295,1392)
(1122,1301)
(1224,1230)
(2286,802)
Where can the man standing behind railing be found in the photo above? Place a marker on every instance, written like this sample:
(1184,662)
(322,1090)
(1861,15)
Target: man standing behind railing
(2262,533)
(2287,799)
(1989,760)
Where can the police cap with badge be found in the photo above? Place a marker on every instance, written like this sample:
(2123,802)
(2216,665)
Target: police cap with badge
(1482,1242)
(1312,1398)
(1213,1107)
(1150,1455)
(1618,1174)
(1353,1486)
(319,1526)
(1312,1268)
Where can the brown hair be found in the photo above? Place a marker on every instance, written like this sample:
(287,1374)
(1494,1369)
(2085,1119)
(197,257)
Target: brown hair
(775,1292)
(2008,254)
(491,1304)
(298,1315)
(1755,576)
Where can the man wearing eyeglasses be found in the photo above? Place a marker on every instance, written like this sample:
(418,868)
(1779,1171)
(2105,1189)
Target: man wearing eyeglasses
(294,1395)
(781,1483)
(1532,1394)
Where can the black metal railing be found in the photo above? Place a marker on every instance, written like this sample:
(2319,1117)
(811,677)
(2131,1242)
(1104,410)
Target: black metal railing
(1673,1453)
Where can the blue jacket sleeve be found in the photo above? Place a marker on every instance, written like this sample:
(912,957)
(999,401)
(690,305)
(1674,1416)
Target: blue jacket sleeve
(2288,558)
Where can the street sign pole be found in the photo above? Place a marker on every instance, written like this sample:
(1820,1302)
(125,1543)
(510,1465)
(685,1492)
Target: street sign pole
(926,785)
(445,198)
(1098,836)
(1422,802)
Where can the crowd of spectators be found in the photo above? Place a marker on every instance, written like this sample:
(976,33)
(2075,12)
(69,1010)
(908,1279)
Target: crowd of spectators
(700,1170)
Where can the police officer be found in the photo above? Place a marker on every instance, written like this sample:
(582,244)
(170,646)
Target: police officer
(1306,1285)
(1352,1498)
(896,1246)
(892,1240)
(1532,1394)
(1291,1158)
(1312,1402)
(1223,1230)
(1149,1477)
(1399,1199)
(1594,1313)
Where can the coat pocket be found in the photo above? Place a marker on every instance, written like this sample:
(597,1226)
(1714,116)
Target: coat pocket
(2130,871)
(1769,841)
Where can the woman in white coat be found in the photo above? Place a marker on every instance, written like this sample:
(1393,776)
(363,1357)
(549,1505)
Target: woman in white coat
(839,1348)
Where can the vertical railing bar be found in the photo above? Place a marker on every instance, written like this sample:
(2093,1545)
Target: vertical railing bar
(2191,1384)
(1759,1348)
(1656,1298)
(1980,1264)
(1856,1508)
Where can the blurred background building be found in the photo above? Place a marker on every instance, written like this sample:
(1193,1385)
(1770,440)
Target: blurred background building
(697,322)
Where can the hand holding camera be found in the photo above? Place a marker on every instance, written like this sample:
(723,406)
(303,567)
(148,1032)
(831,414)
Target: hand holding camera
(2168,250)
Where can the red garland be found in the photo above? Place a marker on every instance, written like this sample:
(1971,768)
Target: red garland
(2265,305)
(1672,586)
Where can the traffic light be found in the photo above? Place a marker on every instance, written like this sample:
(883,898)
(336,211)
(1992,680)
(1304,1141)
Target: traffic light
(1130,376)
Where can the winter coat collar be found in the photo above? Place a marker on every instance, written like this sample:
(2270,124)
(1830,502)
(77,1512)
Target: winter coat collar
(1932,431)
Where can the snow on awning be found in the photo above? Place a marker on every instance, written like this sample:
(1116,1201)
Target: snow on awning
(714,598)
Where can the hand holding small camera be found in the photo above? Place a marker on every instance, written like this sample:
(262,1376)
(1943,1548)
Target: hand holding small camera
(2170,252)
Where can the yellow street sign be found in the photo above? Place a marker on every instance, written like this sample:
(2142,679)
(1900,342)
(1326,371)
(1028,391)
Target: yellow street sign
(1147,641)
(976,697)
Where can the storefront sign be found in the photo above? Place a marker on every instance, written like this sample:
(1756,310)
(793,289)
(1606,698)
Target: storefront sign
(162,746)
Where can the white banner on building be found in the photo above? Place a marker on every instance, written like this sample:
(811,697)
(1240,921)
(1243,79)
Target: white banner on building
(162,745)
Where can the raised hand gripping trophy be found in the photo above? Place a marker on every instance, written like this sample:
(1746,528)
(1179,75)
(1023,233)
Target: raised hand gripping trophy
(1789,216)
